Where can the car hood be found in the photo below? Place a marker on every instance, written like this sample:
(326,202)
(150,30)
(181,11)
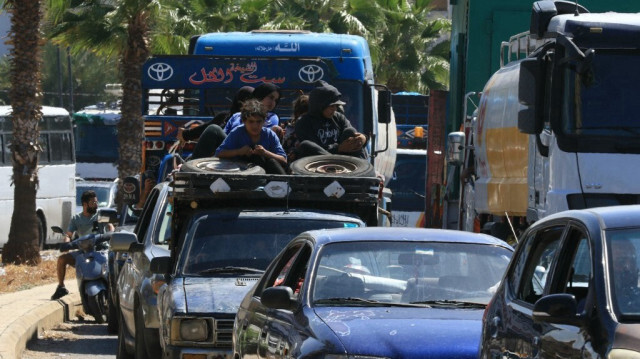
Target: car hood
(216,295)
(406,332)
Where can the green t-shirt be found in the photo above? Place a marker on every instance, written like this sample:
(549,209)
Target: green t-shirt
(82,224)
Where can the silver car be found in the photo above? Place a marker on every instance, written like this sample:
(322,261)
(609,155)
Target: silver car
(137,287)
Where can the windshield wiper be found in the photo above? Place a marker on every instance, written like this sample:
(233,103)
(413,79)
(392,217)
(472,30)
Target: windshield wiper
(230,269)
(363,302)
(452,303)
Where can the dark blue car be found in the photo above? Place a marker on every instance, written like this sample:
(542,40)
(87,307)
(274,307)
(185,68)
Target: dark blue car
(372,293)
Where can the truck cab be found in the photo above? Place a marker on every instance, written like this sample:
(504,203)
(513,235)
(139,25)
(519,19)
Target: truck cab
(556,126)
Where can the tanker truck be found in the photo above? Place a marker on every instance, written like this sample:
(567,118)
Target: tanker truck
(557,127)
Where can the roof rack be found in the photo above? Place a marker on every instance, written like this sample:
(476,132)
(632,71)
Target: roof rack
(195,185)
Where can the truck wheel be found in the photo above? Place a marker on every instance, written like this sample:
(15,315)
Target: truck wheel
(216,165)
(98,306)
(333,165)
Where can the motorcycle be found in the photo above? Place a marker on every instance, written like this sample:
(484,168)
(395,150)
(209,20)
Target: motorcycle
(92,272)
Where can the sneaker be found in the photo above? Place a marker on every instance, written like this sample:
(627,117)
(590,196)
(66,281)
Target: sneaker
(60,292)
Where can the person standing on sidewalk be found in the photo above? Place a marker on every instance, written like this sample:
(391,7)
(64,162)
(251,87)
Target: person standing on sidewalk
(82,224)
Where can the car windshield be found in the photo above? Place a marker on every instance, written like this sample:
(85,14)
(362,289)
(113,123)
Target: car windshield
(103,194)
(402,272)
(234,243)
(623,248)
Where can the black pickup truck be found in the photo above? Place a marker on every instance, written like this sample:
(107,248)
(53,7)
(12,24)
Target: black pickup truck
(226,230)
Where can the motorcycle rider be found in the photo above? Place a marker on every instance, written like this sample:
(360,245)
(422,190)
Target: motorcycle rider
(82,224)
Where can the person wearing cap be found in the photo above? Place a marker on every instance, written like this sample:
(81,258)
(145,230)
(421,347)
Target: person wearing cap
(324,129)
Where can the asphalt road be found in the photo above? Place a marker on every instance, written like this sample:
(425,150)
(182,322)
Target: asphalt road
(74,339)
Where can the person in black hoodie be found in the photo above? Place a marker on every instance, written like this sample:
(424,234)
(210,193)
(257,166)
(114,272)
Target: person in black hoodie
(324,129)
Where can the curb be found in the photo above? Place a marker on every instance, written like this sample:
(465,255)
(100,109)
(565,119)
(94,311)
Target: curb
(14,340)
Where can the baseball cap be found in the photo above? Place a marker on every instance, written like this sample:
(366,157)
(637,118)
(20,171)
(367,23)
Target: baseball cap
(337,102)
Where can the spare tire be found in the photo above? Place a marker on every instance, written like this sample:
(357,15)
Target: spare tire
(333,165)
(217,165)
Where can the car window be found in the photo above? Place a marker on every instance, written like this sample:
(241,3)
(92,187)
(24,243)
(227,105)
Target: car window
(163,234)
(280,270)
(574,274)
(623,247)
(408,272)
(294,272)
(145,216)
(539,263)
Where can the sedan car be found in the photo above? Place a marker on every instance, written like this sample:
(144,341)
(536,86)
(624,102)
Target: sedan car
(571,290)
(372,293)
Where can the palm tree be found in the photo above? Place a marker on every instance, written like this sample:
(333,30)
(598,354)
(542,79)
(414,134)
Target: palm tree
(112,27)
(413,57)
(407,50)
(25,95)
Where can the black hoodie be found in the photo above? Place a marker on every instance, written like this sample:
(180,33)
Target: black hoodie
(313,126)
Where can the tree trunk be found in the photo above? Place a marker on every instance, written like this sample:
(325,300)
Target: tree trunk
(25,94)
(131,125)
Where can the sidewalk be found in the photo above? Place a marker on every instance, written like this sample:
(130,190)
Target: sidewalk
(26,314)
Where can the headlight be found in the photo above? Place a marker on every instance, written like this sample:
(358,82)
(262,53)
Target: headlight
(623,353)
(189,329)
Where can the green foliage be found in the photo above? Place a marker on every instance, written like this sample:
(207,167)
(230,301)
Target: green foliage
(90,74)
(409,51)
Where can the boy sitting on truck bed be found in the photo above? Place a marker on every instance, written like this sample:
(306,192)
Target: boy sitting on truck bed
(253,142)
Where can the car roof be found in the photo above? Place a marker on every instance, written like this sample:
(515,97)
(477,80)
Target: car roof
(325,236)
(608,217)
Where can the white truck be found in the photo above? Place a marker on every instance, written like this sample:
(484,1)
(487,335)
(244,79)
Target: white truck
(557,128)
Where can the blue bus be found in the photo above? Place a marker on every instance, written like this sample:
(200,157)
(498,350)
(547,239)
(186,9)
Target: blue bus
(184,89)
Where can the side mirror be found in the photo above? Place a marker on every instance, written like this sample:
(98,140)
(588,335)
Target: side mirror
(455,148)
(131,190)
(121,241)
(556,308)
(107,215)
(160,265)
(529,85)
(384,106)
(277,298)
